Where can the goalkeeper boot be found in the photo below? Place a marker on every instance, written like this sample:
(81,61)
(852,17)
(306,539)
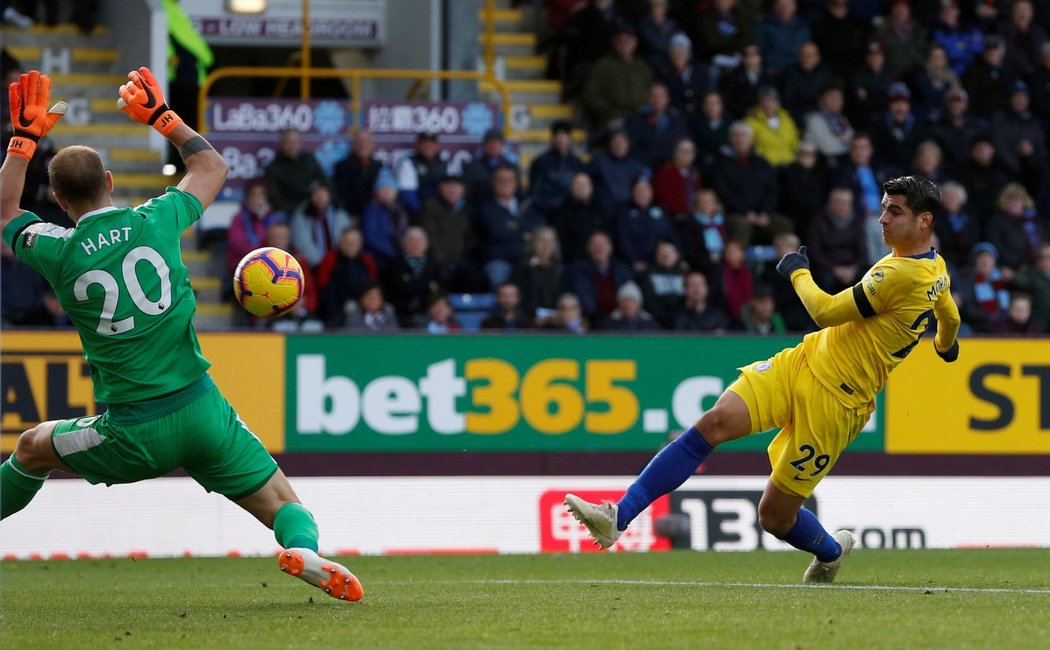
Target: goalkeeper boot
(600,520)
(825,572)
(331,577)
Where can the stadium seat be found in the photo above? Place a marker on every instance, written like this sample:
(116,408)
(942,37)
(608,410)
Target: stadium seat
(471,309)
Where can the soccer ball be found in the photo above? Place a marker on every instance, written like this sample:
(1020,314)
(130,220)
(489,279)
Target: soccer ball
(268,281)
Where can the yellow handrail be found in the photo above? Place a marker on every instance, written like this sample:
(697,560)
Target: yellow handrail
(355,77)
(490,36)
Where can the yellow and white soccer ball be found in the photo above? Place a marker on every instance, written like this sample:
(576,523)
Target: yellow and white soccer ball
(268,281)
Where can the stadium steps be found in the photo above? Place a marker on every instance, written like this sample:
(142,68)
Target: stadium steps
(83,68)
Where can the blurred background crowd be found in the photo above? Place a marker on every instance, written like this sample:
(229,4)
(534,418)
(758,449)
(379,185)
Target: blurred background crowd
(720,134)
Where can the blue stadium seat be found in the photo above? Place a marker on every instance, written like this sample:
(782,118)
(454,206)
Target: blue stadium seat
(471,308)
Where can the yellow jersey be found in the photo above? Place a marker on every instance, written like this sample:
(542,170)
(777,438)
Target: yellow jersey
(870,328)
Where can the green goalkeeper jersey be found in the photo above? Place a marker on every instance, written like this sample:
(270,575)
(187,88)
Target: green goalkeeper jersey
(120,277)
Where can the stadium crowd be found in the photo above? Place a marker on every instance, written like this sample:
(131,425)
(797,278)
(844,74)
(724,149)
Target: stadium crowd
(721,134)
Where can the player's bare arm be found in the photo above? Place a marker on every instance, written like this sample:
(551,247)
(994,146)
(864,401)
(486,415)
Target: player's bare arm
(825,309)
(31,120)
(142,99)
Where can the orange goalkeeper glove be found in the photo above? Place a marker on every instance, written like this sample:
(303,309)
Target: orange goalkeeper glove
(30,116)
(142,100)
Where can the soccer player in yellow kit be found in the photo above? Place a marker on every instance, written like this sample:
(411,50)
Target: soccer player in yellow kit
(820,392)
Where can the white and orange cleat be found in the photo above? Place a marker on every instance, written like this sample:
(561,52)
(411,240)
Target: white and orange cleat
(330,577)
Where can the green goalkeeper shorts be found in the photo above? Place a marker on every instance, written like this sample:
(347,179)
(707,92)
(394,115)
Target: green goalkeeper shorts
(204,437)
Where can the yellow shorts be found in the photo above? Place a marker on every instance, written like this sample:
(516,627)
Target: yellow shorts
(814,426)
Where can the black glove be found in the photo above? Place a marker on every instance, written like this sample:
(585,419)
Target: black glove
(951,354)
(793,262)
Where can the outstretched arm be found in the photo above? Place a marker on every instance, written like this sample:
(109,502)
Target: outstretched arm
(825,309)
(142,99)
(31,120)
(946,343)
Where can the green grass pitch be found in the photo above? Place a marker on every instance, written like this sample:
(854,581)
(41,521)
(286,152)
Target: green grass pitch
(884,599)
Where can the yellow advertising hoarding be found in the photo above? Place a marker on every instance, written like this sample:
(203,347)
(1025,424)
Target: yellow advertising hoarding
(994,400)
(45,377)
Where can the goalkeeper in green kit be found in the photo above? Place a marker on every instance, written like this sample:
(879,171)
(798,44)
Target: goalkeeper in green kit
(119,275)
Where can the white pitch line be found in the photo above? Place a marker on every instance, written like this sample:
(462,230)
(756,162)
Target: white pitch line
(752,585)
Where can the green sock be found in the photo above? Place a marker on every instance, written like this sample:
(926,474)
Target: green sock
(18,486)
(294,527)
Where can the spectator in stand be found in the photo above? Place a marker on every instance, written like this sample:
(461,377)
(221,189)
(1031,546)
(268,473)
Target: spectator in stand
(804,81)
(26,298)
(279,235)
(588,36)
(663,285)
(1039,88)
(962,43)
(291,173)
(760,316)
(413,277)
(447,220)
(747,187)
(988,14)
(1018,319)
(740,85)
(868,87)
(640,225)
(1017,229)
(899,130)
(788,304)
(247,229)
(904,39)
(508,313)
(686,82)
(579,217)
(781,35)
(614,170)
(864,175)
(568,317)
(677,181)
(711,128)
(618,82)
(984,178)
(345,279)
(828,128)
(477,175)
(703,233)
(723,30)
(355,176)
(957,230)
(988,80)
(929,162)
(418,175)
(955,128)
(629,314)
(837,244)
(1016,128)
(933,82)
(1024,39)
(551,173)
(655,128)
(504,226)
(655,32)
(1034,279)
(698,313)
(317,224)
(596,279)
(841,38)
(984,290)
(776,134)
(371,312)
(384,221)
(738,283)
(803,188)
(540,275)
(439,319)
